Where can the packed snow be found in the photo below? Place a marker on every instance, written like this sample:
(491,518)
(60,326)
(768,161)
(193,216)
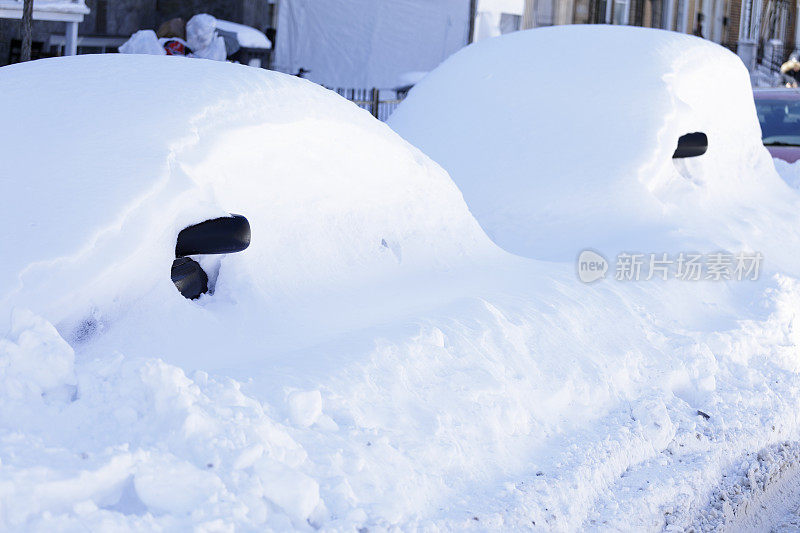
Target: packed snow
(374,360)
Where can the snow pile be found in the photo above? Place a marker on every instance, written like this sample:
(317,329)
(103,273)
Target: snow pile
(790,172)
(341,210)
(201,38)
(143,42)
(372,360)
(141,440)
(247,36)
(559,146)
(102,229)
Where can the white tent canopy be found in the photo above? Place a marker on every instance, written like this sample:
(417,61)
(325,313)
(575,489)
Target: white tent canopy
(496,17)
(368,43)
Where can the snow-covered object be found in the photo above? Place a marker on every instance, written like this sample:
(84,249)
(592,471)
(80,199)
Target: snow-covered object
(143,42)
(200,31)
(372,361)
(248,36)
(561,139)
(114,238)
(215,51)
(203,40)
(337,40)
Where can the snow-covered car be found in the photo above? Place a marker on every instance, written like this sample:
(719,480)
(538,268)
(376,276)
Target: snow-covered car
(372,360)
(498,116)
(223,235)
(121,200)
(125,169)
(779,115)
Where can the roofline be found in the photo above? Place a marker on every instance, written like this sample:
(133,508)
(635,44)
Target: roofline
(56,12)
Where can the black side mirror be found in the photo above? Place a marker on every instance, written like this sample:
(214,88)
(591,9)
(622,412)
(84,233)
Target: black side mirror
(691,145)
(223,235)
(189,277)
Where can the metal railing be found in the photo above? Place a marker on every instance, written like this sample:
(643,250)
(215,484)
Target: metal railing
(373,100)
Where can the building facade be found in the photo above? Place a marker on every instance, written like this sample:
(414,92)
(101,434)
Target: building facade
(763,32)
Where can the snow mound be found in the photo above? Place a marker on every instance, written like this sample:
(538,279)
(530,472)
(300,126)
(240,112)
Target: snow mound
(137,147)
(372,361)
(561,139)
(248,36)
(790,172)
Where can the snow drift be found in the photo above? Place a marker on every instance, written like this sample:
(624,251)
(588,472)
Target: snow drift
(372,360)
(561,139)
(144,146)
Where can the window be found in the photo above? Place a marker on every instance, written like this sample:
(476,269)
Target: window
(510,23)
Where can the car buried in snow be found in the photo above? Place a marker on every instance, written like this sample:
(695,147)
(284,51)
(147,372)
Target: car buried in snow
(222,235)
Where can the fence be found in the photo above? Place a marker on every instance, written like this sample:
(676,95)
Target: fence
(771,56)
(373,100)
(381,103)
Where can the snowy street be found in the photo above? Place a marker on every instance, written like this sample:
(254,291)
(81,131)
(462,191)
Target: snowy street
(233,300)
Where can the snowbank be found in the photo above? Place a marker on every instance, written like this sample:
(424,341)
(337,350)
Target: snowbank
(372,360)
(111,195)
(342,211)
(561,139)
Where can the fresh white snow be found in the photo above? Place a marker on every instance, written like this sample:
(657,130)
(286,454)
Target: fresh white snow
(247,35)
(374,360)
(552,158)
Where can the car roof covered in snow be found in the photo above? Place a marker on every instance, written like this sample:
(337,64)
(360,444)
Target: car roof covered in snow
(561,139)
(112,155)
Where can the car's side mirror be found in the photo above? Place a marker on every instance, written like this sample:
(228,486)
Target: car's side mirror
(691,145)
(223,235)
(189,277)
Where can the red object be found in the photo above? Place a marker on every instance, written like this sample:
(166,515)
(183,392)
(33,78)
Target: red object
(175,48)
